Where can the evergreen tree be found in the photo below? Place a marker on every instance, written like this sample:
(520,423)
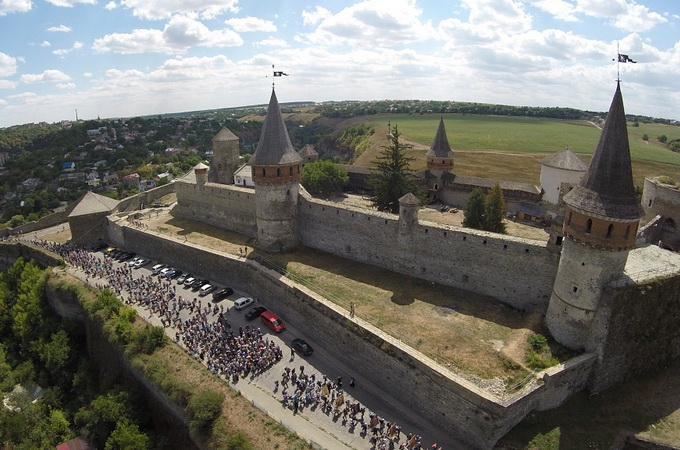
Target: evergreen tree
(392,178)
(495,210)
(475,211)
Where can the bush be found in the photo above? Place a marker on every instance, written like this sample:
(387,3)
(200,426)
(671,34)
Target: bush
(204,408)
(538,342)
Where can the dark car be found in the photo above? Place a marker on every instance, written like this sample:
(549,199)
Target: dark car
(196,285)
(222,294)
(254,313)
(173,274)
(301,347)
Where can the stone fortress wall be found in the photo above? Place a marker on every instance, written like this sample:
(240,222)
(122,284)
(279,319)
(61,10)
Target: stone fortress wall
(517,271)
(448,401)
(520,272)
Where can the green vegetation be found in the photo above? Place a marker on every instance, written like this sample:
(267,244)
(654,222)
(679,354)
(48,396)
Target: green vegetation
(204,408)
(38,348)
(393,178)
(539,356)
(323,178)
(486,212)
(348,144)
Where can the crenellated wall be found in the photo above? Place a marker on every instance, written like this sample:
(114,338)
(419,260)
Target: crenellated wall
(517,271)
(225,206)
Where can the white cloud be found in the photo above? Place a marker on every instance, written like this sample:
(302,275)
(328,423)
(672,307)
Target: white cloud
(316,16)
(7,84)
(45,44)
(271,42)
(501,15)
(87,74)
(8,65)
(624,14)
(14,6)
(111,5)
(65,51)
(163,9)
(245,24)
(388,23)
(48,76)
(71,3)
(66,85)
(560,9)
(60,29)
(179,34)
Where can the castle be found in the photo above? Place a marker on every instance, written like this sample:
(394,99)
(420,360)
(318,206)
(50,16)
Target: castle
(602,287)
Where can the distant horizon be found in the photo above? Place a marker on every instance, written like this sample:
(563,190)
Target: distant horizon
(130,58)
(298,102)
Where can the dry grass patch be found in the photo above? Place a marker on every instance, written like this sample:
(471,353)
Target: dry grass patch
(467,332)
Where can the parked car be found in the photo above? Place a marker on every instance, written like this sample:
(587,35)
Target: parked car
(254,312)
(301,347)
(188,281)
(174,273)
(199,283)
(164,270)
(157,268)
(206,289)
(134,260)
(272,321)
(222,293)
(126,256)
(183,277)
(141,262)
(243,303)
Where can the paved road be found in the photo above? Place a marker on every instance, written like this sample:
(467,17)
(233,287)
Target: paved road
(313,425)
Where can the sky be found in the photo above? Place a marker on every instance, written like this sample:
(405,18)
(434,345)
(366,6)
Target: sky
(125,58)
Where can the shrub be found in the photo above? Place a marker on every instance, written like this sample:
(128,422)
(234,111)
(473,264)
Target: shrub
(204,408)
(538,342)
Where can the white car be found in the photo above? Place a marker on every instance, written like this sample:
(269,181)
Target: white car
(157,268)
(243,302)
(205,290)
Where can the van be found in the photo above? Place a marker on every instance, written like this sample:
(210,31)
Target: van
(273,321)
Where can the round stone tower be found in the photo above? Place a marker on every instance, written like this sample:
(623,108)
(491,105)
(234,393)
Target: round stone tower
(201,174)
(276,168)
(439,156)
(226,158)
(600,226)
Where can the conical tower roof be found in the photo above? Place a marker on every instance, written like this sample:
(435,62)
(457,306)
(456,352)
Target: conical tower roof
(225,134)
(607,189)
(274,147)
(565,159)
(440,147)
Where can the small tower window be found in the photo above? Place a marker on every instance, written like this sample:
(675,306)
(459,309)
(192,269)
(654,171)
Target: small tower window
(610,230)
(569,219)
(264,173)
(589,226)
(291,171)
(627,231)
(278,171)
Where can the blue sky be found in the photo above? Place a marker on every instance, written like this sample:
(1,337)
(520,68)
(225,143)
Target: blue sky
(123,58)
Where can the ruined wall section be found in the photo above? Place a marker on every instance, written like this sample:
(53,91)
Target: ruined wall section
(635,329)
(229,207)
(517,271)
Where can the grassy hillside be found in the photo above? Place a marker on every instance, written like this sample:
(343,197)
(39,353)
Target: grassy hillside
(510,148)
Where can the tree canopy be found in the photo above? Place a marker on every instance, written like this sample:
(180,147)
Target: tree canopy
(323,177)
(486,211)
(392,178)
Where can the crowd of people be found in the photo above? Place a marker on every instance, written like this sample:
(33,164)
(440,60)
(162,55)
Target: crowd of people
(235,354)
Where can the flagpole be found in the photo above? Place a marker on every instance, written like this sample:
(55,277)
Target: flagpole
(618,62)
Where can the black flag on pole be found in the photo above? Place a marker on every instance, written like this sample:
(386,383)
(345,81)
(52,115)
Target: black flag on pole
(280,74)
(625,59)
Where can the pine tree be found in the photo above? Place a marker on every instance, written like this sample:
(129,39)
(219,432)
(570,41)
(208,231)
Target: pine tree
(392,178)
(495,211)
(475,211)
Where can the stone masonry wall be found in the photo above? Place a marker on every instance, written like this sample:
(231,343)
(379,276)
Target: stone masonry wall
(446,400)
(230,207)
(635,329)
(517,271)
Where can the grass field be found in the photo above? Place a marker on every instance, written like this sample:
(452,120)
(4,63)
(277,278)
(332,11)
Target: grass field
(510,148)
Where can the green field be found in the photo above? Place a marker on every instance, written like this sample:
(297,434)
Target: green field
(527,135)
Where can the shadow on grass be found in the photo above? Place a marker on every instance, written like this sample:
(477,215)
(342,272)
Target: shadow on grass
(603,420)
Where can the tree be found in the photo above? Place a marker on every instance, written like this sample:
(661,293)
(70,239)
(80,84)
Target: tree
(126,436)
(323,178)
(475,210)
(392,178)
(495,210)
(204,408)
(663,138)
